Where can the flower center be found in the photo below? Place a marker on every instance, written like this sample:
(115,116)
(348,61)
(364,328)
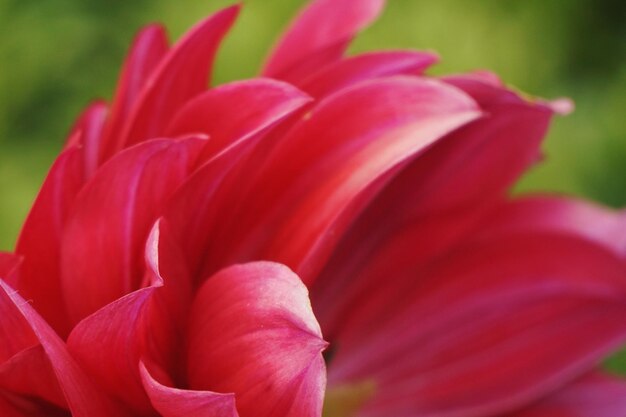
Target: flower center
(346,399)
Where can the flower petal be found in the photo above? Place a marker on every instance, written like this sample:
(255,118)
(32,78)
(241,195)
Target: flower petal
(182,74)
(83,398)
(173,402)
(111,219)
(28,373)
(147,51)
(319,178)
(364,67)
(319,36)
(9,265)
(40,239)
(220,114)
(595,395)
(88,132)
(487,310)
(252,332)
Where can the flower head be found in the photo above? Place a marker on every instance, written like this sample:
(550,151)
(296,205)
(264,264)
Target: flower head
(335,236)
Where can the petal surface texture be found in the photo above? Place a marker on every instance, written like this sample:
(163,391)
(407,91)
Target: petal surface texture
(253,333)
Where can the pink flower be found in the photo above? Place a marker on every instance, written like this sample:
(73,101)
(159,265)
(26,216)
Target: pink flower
(166,265)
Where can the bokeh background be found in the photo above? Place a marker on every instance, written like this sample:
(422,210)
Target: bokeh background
(57,55)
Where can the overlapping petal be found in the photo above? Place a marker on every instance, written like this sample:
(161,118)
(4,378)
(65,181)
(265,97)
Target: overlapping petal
(252,332)
(318,37)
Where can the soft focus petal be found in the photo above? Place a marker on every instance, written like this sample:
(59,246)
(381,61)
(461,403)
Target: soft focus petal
(182,74)
(147,51)
(40,240)
(83,398)
(364,67)
(103,243)
(9,265)
(253,333)
(220,114)
(319,36)
(311,187)
(172,402)
(87,133)
(594,395)
(486,311)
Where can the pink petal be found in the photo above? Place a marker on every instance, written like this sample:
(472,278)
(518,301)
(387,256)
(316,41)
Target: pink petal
(594,395)
(483,312)
(40,239)
(442,194)
(233,112)
(88,132)
(173,402)
(146,323)
(564,216)
(147,51)
(111,219)
(28,373)
(83,398)
(252,332)
(319,36)
(181,75)
(341,162)
(364,67)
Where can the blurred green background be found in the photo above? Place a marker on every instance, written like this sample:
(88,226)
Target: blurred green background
(57,55)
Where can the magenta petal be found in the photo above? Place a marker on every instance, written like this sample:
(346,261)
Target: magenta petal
(233,112)
(364,67)
(594,395)
(319,36)
(87,132)
(173,402)
(486,311)
(40,239)
(83,397)
(182,74)
(103,242)
(147,51)
(28,373)
(317,180)
(9,265)
(253,333)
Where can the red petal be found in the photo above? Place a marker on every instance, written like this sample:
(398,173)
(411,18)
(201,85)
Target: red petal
(181,75)
(364,67)
(104,240)
(486,311)
(147,51)
(594,395)
(332,164)
(233,112)
(319,36)
(253,333)
(29,373)
(172,402)
(83,398)
(40,239)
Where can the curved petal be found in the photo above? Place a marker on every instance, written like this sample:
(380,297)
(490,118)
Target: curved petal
(319,36)
(364,67)
(182,74)
(87,132)
(321,175)
(148,49)
(9,266)
(83,397)
(103,242)
(40,239)
(252,332)
(562,215)
(594,395)
(173,402)
(485,311)
(29,373)
(233,112)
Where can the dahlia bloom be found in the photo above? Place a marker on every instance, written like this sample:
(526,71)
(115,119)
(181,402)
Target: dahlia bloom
(333,237)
